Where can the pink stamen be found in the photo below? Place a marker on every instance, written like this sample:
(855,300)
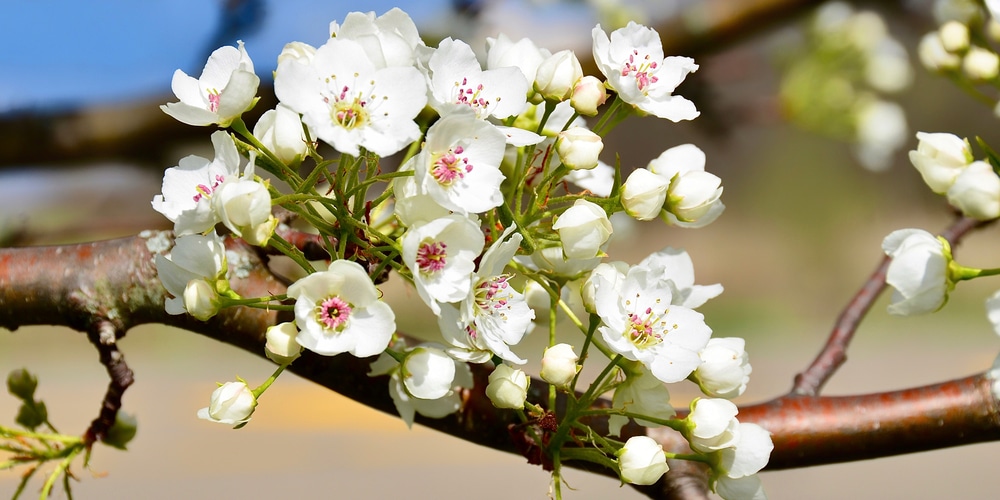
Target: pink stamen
(333,313)
(431,256)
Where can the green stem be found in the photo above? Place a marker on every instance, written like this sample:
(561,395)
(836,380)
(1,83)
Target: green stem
(270,380)
(293,253)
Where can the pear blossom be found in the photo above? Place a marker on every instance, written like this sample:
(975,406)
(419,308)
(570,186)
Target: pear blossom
(281,346)
(641,323)
(557,76)
(427,373)
(933,55)
(441,255)
(578,148)
(643,394)
(188,188)
(458,81)
(412,205)
(553,260)
(633,63)
(954,36)
(712,425)
(693,197)
(918,272)
(644,194)
(349,102)
(613,274)
(725,368)
(642,461)
(676,266)
(493,315)
(388,40)
(589,93)
(981,64)
(226,88)
(508,387)
(408,405)
(459,165)
(296,51)
(502,52)
(747,455)
(976,192)
(743,488)
(559,365)
(194,258)
(232,403)
(584,229)
(939,158)
(201,300)
(280,131)
(338,310)
(244,206)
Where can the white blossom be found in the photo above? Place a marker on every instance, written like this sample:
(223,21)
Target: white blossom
(579,148)
(441,255)
(589,93)
(557,75)
(976,192)
(939,158)
(281,346)
(642,461)
(280,131)
(725,368)
(508,387)
(643,394)
(194,258)
(559,365)
(584,230)
(458,81)
(644,194)
(676,266)
(226,88)
(918,272)
(232,403)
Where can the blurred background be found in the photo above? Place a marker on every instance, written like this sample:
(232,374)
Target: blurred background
(807,114)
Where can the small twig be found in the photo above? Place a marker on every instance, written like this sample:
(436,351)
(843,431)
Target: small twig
(834,353)
(104,337)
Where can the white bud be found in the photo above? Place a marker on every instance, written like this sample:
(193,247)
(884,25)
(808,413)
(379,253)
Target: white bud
(954,36)
(280,131)
(200,299)
(589,93)
(559,365)
(644,193)
(976,192)
(583,229)
(725,368)
(981,64)
(281,346)
(297,51)
(933,55)
(579,148)
(508,387)
(557,76)
(232,403)
(939,158)
(692,195)
(642,461)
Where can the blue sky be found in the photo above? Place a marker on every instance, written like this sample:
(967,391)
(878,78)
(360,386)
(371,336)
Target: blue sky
(67,51)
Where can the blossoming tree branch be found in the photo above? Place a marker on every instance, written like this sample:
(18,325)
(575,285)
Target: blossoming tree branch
(498,216)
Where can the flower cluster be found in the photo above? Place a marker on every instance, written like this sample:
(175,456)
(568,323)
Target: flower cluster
(500,191)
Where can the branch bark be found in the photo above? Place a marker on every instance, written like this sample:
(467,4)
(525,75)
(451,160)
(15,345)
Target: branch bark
(111,286)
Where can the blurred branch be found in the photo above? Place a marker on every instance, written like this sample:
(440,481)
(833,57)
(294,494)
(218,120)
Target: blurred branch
(139,132)
(114,283)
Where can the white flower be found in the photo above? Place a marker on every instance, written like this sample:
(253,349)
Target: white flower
(441,255)
(748,454)
(281,346)
(981,64)
(693,197)
(280,131)
(388,40)
(881,130)
(918,272)
(193,258)
(598,180)
(502,52)
(411,204)
(993,311)
(743,488)
(559,365)
(579,148)
(338,310)
(458,81)
(583,228)
(939,158)
(644,194)
(675,265)
(498,314)
(232,403)
(643,394)
(201,299)
(613,274)
(933,55)
(976,192)
(642,461)
(227,87)
(554,260)
(244,206)
(633,63)
(296,51)
(557,75)
(641,323)
(725,368)
(459,165)
(508,387)
(589,93)
(427,373)
(188,188)
(712,425)
(351,103)
(408,405)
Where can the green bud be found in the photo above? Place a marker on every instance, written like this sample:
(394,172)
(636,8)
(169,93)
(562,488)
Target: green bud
(31,416)
(122,432)
(21,383)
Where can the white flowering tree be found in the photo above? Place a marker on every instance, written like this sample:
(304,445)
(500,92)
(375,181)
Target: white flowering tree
(499,217)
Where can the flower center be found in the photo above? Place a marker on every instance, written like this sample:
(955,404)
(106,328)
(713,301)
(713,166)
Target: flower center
(431,256)
(472,96)
(648,328)
(204,191)
(449,166)
(333,313)
(214,99)
(348,111)
(493,293)
(641,71)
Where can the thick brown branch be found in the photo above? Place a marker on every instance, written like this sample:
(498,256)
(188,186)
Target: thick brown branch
(72,285)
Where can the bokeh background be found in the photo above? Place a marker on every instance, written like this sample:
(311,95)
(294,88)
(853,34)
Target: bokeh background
(802,229)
